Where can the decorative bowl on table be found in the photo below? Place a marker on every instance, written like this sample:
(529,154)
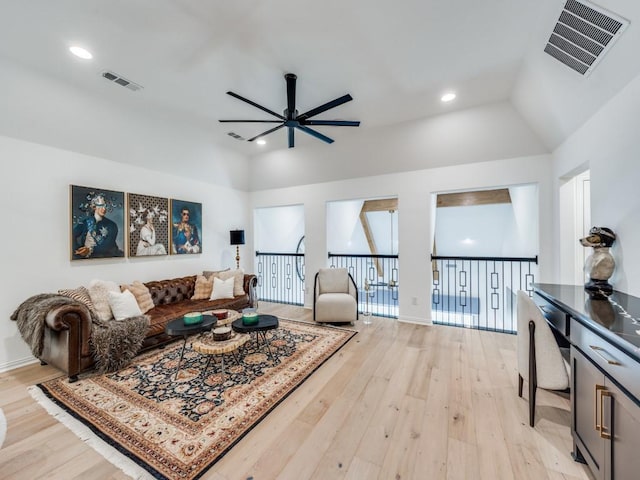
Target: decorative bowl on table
(220,314)
(221,333)
(192,318)
(249,318)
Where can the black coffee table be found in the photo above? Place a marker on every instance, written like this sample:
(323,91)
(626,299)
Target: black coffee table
(177,328)
(265,322)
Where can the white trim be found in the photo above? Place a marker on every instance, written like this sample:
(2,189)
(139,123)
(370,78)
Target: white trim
(415,320)
(85,434)
(21,362)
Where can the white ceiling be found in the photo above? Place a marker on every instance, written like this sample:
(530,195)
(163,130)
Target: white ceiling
(394,58)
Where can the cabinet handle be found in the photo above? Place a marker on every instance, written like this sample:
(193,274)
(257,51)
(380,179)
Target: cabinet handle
(599,388)
(603,430)
(603,354)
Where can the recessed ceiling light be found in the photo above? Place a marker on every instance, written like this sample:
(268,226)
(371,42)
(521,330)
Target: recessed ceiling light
(261,141)
(447,97)
(81,52)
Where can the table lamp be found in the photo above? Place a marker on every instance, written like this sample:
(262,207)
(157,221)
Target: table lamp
(236,237)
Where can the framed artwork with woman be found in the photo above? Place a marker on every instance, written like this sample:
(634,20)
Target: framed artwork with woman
(148,225)
(186,227)
(97,223)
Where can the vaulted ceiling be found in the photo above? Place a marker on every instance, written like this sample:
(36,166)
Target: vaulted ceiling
(395,58)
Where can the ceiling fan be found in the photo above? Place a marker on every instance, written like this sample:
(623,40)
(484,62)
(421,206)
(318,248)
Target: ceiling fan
(292,120)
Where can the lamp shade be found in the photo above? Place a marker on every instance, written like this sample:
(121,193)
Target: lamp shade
(236,237)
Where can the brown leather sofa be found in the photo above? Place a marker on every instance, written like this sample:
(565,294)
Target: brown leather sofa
(68,327)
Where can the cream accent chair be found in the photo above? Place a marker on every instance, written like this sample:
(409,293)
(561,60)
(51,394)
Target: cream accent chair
(540,360)
(335,296)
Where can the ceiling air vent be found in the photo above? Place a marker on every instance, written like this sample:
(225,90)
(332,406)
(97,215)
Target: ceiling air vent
(235,135)
(583,34)
(120,80)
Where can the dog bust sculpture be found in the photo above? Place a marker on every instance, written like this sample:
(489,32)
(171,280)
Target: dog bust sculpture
(600,264)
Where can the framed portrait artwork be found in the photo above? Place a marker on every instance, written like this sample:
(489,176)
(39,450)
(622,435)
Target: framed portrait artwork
(186,227)
(97,223)
(148,225)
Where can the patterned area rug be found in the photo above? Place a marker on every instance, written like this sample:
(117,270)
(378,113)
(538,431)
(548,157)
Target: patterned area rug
(153,426)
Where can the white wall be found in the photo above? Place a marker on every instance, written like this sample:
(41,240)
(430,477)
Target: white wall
(473,230)
(505,229)
(555,100)
(345,233)
(35,244)
(610,145)
(115,124)
(278,229)
(414,191)
(344,230)
(490,132)
(523,241)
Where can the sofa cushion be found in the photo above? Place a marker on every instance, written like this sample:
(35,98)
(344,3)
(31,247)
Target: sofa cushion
(99,293)
(172,290)
(80,294)
(210,273)
(203,288)
(333,280)
(222,288)
(336,307)
(142,295)
(123,305)
(238,277)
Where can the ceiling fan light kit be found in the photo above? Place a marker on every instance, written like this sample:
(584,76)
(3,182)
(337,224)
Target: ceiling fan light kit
(292,120)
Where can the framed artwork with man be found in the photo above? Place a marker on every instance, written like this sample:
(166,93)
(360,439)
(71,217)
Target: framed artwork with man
(186,227)
(97,223)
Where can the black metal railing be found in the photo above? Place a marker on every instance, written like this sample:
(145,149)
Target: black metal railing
(280,277)
(376,277)
(479,292)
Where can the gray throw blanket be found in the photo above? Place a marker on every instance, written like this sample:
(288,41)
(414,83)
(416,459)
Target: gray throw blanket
(114,343)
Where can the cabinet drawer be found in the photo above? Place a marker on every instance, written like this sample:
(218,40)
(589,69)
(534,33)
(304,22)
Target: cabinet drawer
(615,363)
(557,318)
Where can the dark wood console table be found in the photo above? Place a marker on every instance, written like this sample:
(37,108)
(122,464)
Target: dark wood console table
(604,334)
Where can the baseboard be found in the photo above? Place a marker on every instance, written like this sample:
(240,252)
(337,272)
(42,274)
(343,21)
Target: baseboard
(415,320)
(5,367)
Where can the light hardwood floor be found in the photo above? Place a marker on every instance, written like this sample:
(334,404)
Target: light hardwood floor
(398,402)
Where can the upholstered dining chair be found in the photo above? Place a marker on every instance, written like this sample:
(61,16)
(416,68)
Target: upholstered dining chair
(335,296)
(540,360)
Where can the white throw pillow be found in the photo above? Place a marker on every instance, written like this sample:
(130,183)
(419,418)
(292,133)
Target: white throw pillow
(123,305)
(98,291)
(237,275)
(222,288)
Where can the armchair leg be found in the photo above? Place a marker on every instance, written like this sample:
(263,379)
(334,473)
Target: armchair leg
(532,403)
(533,375)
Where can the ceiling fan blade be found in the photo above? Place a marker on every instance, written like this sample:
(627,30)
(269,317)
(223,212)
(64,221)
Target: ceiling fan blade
(291,94)
(250,121)
(255,105)
(323,108)
(316,134)
(291,131)
(336,123)
(267,132)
